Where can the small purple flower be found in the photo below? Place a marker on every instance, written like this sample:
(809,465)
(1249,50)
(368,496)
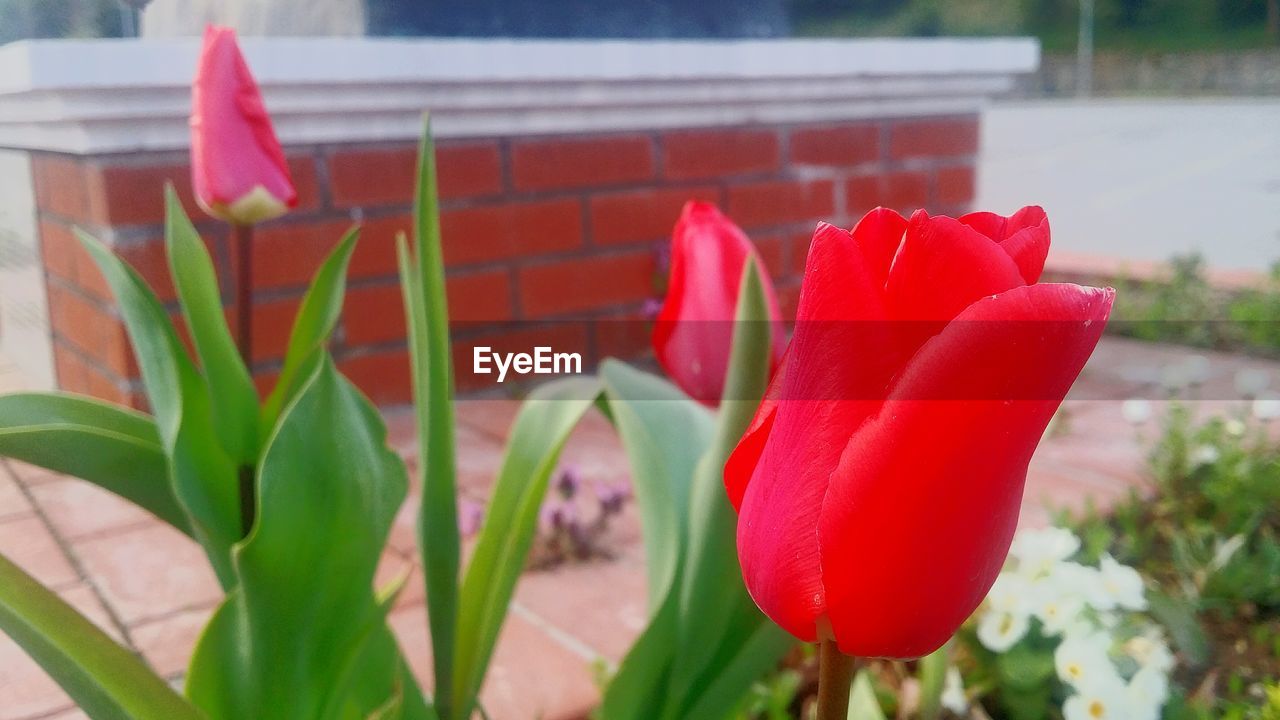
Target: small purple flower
(568,481)
(612,496)
(650,309)
(557,516)
(470,517)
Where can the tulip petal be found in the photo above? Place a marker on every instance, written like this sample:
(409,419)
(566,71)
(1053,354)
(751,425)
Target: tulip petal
(694,330)
(746,455)
(1024,236)
(779,506)
(922,508)
(236,158)
(879,234)
(945,266)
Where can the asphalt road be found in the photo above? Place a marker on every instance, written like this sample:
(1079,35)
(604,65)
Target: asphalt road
(1142,179)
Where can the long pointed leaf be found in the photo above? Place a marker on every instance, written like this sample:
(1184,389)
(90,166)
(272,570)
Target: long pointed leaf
(233,399)
(112,447)
(204,477)
(107,681)
(292,636)
(541,428)
(712,585)
(317,317)
(427,310)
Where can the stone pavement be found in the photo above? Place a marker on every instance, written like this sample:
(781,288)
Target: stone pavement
(150,587)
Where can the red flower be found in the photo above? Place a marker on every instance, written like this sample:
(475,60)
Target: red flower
(237,167)
(878,486)
(694,329)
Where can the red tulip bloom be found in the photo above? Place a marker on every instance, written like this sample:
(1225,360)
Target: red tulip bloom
(237,167)
(879,485)
(694,329)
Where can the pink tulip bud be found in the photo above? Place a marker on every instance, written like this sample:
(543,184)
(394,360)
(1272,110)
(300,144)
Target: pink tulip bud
(238,170)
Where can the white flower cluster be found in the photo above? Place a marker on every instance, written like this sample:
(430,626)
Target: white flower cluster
(1116,663)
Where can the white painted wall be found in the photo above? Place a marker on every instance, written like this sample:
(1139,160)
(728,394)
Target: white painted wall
(24,314)
(293,18)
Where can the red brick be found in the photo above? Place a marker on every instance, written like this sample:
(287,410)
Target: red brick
(373,177)
(956,185)
(388,176)
(585,283)
(289,255)
(468,170)
(903,191)
(383,376)
(496,232)
(716,153)
(91,329)
(780,201)
(61,186)
(626,336)
(552,164)
(642,215)
(72,372)
(479,297)
(134,194)
(922,138)
(60,249)
(272,323)
(838,146)
(566,337)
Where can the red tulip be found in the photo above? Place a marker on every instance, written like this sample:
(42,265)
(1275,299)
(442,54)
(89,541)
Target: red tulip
(694,329)
(237,167)
(879,485)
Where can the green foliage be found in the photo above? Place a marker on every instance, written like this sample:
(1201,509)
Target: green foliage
(1210,538)
(106,681)
(25,19)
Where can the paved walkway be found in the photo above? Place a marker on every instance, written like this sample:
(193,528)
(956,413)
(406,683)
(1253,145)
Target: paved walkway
(1142,179)
(148,586)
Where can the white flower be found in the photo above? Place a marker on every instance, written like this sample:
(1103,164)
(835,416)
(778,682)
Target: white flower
(953,697)
(999,631)
(1148,690)
(1104,697)
(1176,376)
(1252,382)
(1234,428)
(1010,594)
(1038,550)
(1204,455)
(1080,659)
(1136,411)
(1122,584)
(1150,651)
(1069,579)
(1267,408)
(1057,612)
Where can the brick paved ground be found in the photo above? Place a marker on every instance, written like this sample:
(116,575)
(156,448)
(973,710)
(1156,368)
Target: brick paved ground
(150,587)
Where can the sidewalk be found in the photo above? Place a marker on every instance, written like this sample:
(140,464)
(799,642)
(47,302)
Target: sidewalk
(149,586)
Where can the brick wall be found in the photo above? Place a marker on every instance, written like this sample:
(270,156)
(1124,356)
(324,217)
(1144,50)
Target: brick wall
(547,240)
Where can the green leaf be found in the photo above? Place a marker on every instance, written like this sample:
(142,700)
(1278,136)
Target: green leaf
(233,398)
(932,670)
(863,704)
(426,307)
(665,434)
(112,447)
(204,477)
(759,654)
(541,428)
(712,584)
(293,640)
(317,317)
(107,681)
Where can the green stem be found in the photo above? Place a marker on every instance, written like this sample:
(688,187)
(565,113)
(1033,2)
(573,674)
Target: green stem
(244,340)
(835,677)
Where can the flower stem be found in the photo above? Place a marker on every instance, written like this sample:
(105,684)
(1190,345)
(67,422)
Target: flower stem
(244,341)
(835,676)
